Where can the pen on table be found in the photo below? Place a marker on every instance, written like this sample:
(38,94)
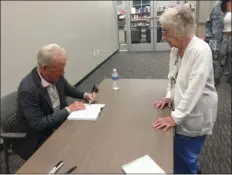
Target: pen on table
(58,165)
(71,170)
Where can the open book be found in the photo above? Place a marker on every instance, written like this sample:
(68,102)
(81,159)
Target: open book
(91,112)
(142,165)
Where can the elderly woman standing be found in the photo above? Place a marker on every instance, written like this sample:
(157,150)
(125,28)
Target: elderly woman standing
(190,91)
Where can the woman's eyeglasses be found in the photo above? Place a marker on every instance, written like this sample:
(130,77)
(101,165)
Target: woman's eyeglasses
(164,30)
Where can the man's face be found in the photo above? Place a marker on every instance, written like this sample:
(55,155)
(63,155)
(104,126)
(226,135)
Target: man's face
(170,36)
(55,69)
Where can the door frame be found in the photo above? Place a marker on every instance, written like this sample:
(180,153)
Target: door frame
(154,45)
(138,47)
(164,46)
(116,23)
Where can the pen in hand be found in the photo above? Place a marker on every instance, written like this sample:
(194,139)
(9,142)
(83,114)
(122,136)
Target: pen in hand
(94,90)
(92,96)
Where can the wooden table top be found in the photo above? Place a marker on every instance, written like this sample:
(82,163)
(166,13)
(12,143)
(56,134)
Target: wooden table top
(122,133)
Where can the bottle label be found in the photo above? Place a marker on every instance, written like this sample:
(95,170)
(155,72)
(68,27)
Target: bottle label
(115,78)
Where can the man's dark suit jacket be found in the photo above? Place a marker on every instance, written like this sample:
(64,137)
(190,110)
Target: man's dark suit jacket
(35,115)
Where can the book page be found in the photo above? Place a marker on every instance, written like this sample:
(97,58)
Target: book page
(90,113)
(143,165)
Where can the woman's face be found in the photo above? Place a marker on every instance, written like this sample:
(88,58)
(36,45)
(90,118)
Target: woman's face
(171,37)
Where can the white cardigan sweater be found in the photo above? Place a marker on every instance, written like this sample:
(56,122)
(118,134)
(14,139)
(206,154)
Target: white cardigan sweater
(194,95)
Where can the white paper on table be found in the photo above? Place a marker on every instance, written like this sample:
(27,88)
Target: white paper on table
(90,113)
(142,165)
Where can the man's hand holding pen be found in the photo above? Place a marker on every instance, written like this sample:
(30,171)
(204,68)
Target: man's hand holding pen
(90,97)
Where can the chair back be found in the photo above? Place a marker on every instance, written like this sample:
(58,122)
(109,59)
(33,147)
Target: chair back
(8,111)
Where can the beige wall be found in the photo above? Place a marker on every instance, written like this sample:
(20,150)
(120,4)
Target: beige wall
(201,30)
(79,26)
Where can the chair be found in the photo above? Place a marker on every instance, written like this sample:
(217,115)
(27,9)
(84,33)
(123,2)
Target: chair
(8,124)
(8,121)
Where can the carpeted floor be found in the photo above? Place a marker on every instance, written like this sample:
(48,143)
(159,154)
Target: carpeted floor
(216,154)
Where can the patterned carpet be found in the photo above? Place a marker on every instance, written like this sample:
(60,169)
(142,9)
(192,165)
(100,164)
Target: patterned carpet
(216,154)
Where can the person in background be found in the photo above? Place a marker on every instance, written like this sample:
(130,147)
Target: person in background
(190,92)
(218,34)
(41,101)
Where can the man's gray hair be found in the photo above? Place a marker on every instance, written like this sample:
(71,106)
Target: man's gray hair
(180,19)
(46,54)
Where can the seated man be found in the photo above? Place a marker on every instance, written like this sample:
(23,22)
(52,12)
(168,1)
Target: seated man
(41,101)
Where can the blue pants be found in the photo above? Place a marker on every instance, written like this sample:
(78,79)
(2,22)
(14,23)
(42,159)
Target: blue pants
(186,152)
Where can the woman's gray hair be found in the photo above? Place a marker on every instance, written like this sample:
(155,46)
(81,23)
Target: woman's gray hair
(46,54)
(180,20)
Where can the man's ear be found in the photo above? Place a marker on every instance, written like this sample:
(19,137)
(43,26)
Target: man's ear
(43,67)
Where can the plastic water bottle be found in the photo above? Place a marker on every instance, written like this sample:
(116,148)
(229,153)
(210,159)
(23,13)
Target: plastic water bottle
(115,78)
